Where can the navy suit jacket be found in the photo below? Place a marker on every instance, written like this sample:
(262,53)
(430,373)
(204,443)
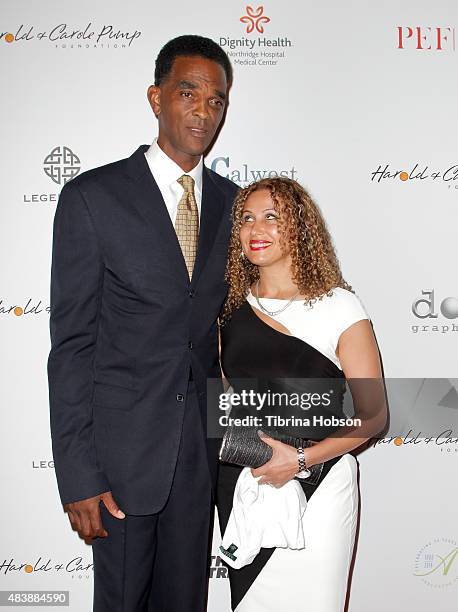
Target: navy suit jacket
(127,327)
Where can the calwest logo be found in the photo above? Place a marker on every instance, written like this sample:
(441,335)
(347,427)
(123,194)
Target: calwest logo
(254,19)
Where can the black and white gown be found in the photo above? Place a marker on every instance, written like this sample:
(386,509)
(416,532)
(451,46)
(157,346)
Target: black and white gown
(314,578)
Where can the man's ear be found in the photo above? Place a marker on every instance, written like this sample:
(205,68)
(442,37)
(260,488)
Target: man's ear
(154,98)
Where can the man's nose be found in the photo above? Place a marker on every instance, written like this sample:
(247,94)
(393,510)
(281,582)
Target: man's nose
(200,108)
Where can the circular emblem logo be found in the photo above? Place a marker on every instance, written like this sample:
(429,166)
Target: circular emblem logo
(61,165)
(436,563)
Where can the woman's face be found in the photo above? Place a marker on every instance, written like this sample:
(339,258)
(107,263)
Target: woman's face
(260,232)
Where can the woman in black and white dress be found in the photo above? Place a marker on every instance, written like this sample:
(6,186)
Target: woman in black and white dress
(290,314)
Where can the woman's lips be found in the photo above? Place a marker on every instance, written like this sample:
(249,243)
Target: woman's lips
(259,245)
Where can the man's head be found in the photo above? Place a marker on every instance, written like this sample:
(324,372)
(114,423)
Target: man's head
(189,96)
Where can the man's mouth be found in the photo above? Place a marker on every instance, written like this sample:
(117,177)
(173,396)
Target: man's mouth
(198,132)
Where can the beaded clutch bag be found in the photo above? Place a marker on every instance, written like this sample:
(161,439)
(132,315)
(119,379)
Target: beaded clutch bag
(243,446)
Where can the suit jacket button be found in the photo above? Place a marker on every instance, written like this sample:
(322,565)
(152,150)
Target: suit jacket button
(191,293)
(190,345)
(180,397)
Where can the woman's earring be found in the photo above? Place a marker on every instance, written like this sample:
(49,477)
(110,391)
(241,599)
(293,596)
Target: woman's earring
(242,254)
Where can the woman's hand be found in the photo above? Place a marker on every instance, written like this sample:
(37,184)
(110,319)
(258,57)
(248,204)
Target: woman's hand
(283,465)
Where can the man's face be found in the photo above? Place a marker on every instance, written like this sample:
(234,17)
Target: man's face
(189,105)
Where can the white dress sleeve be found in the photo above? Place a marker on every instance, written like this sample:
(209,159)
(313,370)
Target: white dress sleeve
(348,310)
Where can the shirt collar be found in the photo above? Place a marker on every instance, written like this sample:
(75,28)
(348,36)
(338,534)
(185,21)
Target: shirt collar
(167,171)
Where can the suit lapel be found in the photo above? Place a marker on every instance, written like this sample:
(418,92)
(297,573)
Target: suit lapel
(148,201)
(210,219)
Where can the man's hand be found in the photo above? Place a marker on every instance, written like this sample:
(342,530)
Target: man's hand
(281,468)
(85,517)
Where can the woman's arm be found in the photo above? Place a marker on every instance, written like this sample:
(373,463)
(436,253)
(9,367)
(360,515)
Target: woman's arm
(359,357)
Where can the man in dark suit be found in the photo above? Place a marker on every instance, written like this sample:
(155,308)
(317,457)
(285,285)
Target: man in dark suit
(137,284)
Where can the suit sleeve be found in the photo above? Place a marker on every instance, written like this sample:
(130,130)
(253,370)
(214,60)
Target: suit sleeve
(76,288)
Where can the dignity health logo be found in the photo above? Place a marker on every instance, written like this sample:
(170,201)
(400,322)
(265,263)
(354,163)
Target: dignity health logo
(65,36)
(254,19)
(255,50)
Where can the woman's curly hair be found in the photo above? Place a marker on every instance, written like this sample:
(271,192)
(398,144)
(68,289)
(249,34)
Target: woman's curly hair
(315,268)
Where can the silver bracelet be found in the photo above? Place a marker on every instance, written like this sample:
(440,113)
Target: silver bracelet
(303,471)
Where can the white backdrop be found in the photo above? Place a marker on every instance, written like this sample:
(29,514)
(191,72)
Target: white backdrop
(356,100)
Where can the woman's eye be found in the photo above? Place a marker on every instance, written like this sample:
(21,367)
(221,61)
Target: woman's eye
(246,218)
(271,216)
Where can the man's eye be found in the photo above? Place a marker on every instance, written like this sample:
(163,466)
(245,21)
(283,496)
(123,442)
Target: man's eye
(186,94)
(217,102)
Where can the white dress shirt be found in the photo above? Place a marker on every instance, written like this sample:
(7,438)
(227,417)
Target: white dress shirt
(166,174)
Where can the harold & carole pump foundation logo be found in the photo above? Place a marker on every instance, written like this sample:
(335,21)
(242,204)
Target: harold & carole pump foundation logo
(66,36)
(416,173)
(31,307)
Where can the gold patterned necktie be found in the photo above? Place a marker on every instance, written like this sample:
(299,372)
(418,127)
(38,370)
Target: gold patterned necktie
(187,222)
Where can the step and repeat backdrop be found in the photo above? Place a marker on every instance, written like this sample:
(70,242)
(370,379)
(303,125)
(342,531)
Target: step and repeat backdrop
(355,100)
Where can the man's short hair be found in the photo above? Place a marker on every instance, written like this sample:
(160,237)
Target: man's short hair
(190,45)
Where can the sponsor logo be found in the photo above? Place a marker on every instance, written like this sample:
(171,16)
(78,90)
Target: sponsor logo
(31,307)
(436,563)
(66,36)
(428,309)
(256,50)
(42,464)
(77,568)
(446,441)
(61,165)
(425,38)
(244,175)
(217,569)
(417,173)
(254,19)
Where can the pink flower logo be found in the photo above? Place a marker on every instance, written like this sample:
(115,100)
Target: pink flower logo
(254,19)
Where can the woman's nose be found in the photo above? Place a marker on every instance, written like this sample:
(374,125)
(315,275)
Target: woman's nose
(257,227)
